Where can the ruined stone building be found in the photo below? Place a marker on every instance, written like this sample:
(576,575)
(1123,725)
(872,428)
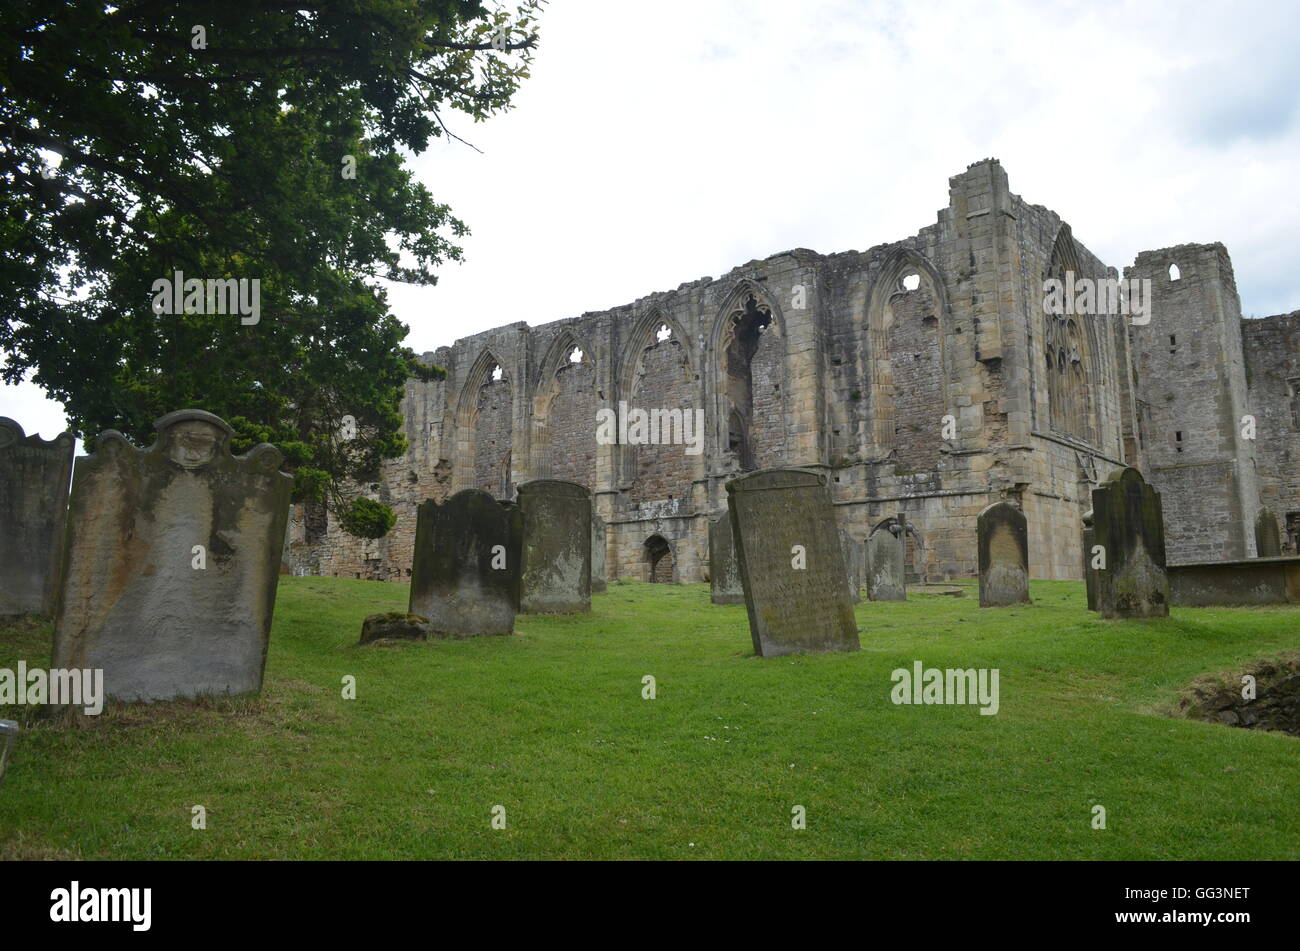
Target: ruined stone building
(848,364)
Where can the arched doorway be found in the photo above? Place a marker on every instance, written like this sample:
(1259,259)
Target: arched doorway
(659,560)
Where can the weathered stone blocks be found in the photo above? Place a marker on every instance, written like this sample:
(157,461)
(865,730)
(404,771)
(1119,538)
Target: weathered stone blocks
(855,382)
(1245,583)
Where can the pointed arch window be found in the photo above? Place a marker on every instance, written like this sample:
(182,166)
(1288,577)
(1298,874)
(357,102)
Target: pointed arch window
(740,345)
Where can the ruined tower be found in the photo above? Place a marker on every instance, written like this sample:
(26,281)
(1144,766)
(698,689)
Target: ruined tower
(1191,380)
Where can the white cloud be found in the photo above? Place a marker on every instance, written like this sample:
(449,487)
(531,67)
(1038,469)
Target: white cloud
(656,144)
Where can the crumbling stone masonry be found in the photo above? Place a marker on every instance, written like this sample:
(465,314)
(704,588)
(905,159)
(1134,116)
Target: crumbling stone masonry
(848,364)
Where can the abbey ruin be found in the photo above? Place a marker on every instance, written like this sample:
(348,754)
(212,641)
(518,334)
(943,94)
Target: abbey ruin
(923,377)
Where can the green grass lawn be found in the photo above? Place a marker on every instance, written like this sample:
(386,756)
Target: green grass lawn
(551,724)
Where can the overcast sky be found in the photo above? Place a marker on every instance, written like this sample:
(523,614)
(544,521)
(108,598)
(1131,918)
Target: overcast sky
(658,143)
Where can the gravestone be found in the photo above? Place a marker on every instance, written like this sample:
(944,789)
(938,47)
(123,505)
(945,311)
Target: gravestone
(1268,536)
(886,550)
(854,557)
(1003,539)
(1089,572)
(556,566)
(598,543)
(724,571)
(172,561)
(34,479)
(465,572)
(1129,526)
(791,563)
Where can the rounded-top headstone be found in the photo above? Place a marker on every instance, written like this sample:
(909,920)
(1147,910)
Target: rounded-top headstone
(1003,540)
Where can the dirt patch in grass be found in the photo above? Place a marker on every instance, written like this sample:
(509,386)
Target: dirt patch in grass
(1261,695)
(283,706)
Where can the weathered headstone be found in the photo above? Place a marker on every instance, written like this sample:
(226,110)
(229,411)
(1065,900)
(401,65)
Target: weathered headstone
(172,561)
(1268,535)
(1089,572)
(791,563)
(465,572)
(886,549)
(599,584)
(1003,540)
(724,571)
(557,547)
(1129,526)
(854,556)
(34,479)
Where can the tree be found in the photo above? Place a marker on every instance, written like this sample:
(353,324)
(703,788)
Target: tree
(249,141)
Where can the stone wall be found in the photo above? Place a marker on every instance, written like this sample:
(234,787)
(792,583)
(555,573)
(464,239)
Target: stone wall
(1272,350)
(1191,376)
(851,364)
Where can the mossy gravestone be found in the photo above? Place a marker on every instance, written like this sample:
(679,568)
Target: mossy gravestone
(886,562)
(791,563)
(724,571)
(34,478)
(1003,539)
(1129,526)
(171,561)
(465,575)
(556,575)
(599,584)
(1268,537)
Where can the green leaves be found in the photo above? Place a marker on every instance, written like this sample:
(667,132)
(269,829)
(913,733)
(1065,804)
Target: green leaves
(227,161)
(367,518)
